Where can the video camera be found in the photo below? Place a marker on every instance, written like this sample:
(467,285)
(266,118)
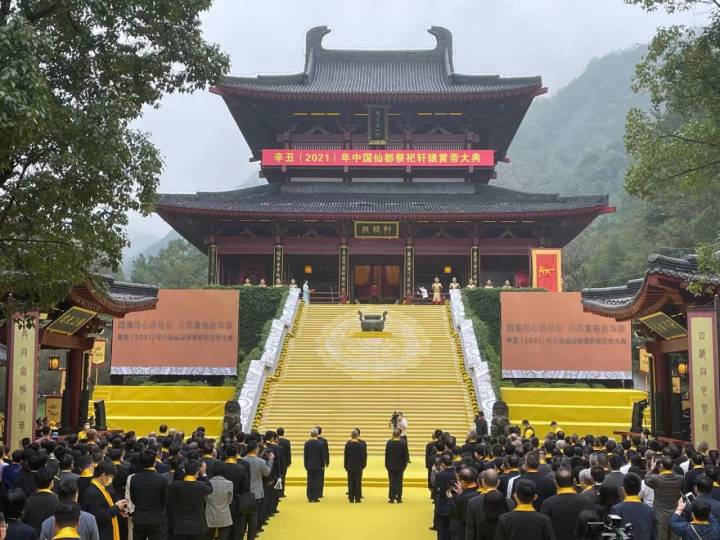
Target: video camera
(612,528)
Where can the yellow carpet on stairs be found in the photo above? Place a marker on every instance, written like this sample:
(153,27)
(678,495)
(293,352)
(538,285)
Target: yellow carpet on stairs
(335,518)
(338,377)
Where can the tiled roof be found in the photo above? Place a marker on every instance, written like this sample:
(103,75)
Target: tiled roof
(384,73)
(130,293)
(114,298)
(638,294)
(274,200)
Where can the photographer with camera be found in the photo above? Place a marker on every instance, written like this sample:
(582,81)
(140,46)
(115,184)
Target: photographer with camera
(667,486)
(700,528)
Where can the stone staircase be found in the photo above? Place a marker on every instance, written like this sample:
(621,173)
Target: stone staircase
(338,377)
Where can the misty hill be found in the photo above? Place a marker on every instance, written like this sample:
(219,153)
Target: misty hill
(150,244)
(572,141)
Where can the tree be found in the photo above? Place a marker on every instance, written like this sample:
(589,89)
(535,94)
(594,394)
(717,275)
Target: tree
(675,147)
(179,265)
(74,74)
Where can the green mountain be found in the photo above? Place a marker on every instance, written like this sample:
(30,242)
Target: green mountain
(572,143)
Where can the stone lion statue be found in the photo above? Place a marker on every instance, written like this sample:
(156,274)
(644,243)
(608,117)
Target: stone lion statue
(500,423)
(231,417)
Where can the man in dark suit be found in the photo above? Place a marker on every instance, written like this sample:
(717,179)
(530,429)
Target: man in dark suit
(272,495)
(148,494)
(314,459)
(512,470)
(632,510)
(186,503)
(444,479)
(12,502)
(544,485)
(564,508)
(355,463)
(463,492)
(327,460)
(524,523)
(32,462)
(41,504)
(209,459)
(703,492)
(287,455)
(614,479)
(396,460)
(239,474)
(696,470)
(98,502)
(85,465)
(481,425)
(430,454)
(478,525)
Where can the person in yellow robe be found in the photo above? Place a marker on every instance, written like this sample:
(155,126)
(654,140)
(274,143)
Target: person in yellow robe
(437,291)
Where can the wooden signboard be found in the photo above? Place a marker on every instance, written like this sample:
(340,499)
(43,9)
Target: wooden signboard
(664,326)
(71,321)
(377,229)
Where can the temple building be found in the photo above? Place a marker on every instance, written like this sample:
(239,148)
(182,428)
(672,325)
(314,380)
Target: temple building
(73,328)
(378,166)
(676,329)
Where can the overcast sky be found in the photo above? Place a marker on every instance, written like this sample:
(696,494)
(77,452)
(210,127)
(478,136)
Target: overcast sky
(203,149)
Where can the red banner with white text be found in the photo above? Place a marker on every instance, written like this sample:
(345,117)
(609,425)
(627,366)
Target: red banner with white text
(278,157)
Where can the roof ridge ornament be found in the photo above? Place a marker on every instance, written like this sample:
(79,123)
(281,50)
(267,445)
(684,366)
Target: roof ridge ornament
(314,39)
(444,42)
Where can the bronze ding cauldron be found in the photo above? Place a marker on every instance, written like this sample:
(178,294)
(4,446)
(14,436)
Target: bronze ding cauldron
(372,323)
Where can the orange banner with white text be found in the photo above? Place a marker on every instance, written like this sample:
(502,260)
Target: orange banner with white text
(191,332)
(547,269)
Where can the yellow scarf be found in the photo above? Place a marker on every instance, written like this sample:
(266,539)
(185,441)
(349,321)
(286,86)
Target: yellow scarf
(632,498)
(86,473)
(109,501)
(231,460)
(189,478)
(44,491)
(67,532)
(566,490)
(524,507)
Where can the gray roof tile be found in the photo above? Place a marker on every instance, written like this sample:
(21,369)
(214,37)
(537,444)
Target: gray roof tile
(274,199)
(386,73)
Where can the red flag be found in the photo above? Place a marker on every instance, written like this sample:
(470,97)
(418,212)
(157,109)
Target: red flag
(547,270)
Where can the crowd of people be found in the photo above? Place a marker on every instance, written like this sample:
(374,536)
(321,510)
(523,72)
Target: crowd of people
(515,486)
(90,486)
(520,487)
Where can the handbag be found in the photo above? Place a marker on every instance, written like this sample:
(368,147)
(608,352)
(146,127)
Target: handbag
(245,503)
